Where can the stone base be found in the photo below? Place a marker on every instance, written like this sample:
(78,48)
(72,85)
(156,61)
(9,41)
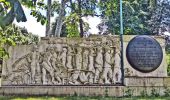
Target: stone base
(136,85)
(116,91)
(147,81)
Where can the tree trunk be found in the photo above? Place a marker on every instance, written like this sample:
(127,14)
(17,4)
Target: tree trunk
(80,19)
(60,19)
(47,33)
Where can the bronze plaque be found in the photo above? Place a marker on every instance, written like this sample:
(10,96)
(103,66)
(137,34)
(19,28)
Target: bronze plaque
(144,53)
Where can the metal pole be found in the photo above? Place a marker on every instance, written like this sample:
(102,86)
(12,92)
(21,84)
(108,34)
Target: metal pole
(121,40)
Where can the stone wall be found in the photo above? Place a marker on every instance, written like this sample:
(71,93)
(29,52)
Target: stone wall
(64,61)
(74,61)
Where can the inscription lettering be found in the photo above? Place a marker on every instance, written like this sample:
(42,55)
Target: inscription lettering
(144,53)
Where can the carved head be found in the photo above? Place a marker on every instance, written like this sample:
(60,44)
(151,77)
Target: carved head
(64,49)
(100,49)
(86,51)
(79,49)
(52,50)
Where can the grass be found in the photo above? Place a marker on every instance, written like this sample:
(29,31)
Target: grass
(79,98)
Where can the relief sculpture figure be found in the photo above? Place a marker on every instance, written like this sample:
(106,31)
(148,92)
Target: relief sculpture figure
(84,68)
(107,71)
(47,66)
(117,71)
(62,73)
(21,73)
(64,57)
(21,77)
(55,67)
(34,60)
(69,59)
(91,68)
(85,59)
(98,65)
(77,69)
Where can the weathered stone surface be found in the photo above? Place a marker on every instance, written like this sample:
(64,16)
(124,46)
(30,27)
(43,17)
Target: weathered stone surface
(116,91)
(64,61)
(72,61)
(69,66)
(144,81)
(166,81)
(161,71)
(144,53)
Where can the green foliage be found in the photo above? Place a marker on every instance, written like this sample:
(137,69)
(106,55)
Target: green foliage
(75,10)
(167,92)
(167,49)
(128,92)
(10,10)
(36,10)
(40,18)
(135,16)
(13,35)
(139,16)
(154,93)
(106,92)
(144,93)
(55,7)
(160,19)
(168,63)
(72,25)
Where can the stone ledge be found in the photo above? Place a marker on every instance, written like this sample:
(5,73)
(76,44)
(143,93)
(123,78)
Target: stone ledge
(147,81)
(116,91)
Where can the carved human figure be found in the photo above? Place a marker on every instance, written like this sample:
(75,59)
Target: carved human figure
(117,71)
(69,58)
(54,64)
(84,68)
(98,65)
(77,69)
(64,57)
(85,59)
(107,71)
(47,66)
(91,68)
(21,75)
(34,60)
(38,69)
(53,58)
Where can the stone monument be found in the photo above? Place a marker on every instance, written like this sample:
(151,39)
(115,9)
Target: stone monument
(86,66)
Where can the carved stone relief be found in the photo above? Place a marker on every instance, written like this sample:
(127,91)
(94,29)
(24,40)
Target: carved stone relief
(66,64)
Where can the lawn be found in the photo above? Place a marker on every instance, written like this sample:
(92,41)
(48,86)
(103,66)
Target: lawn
(79,98)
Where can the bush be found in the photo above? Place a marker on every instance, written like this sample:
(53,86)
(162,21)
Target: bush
(128,92)
(168,64)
